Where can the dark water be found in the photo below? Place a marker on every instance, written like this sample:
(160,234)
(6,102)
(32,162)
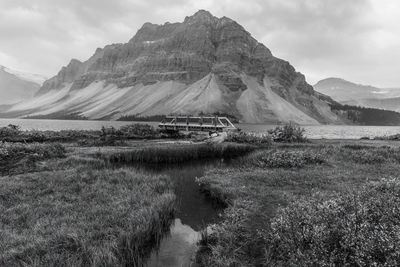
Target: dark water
(194,213)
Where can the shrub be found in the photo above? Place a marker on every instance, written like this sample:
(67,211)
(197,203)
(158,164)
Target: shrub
(9,131)
(249,138)
(18,155)
(358,228)
(394,137)
(138,130)
(283,159)
(288,134)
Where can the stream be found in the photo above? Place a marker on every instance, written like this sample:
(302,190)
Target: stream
(194,213)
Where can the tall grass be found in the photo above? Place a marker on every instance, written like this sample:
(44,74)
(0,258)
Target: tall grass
(282,159)
(249,138)
(179,153)
(14,156)
(83,217)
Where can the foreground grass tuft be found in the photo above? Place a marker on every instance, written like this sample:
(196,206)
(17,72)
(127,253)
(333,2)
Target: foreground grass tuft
(82,217)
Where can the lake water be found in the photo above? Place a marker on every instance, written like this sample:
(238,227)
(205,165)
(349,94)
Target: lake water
(313,132)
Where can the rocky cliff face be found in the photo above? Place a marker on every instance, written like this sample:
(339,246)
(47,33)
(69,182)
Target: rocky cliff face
(212,63)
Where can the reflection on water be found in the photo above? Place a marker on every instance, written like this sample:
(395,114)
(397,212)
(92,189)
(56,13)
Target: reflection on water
(316,132)
(177,249)
(194,213)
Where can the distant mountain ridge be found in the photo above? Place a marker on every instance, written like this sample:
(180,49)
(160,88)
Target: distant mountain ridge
(17,86)
(204,64)
(350,93)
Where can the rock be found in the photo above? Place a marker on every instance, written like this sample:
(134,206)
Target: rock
(214,60)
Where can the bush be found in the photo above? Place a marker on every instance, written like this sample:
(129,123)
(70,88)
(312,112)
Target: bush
(283,159)
(249,138)
(23,156)
(394,137)
(359,228)
(138,130)
(9,131)
(288,134)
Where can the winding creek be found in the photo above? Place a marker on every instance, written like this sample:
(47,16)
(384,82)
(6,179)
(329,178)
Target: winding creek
(194,213)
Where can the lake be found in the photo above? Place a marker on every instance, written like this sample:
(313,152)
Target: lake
(312,132)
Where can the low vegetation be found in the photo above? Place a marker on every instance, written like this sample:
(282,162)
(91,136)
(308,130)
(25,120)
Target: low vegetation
(18,158)
(288,201)
(103,137)
(249,138)
(82,217)
(394,137)
(289,133)
(179,153)
(282,159)
(288,214)
(357,228)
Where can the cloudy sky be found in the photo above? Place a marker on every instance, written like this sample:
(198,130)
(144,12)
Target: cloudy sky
(358,40)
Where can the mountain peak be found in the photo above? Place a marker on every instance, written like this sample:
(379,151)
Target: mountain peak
(201,16)
(204,64)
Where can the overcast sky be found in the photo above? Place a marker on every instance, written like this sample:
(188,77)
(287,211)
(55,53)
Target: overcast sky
(358,40)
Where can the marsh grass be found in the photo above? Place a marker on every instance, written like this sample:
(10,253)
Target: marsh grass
(179,153)
(282,159)
(254,196)
(20,157)
(83,217)
(250,138)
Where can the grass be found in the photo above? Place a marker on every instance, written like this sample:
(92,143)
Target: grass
(18,157)
(83,217)
(255,197)
(249,138)
(72,209)
(179,153)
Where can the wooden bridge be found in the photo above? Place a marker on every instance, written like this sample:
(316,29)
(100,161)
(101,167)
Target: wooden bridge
(203,124)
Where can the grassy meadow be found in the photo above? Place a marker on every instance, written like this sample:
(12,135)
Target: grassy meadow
(312,204)
(74,198)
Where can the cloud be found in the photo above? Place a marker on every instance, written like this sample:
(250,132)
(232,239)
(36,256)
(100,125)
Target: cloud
(357,40)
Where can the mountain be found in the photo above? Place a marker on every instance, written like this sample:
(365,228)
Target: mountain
(350,93)
(16,86)
(204,64)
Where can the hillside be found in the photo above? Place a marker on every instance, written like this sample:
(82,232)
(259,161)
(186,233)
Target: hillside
(204,64)
(17,86)
(349,93)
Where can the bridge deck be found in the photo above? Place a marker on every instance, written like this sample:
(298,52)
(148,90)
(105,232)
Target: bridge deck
(205,124)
